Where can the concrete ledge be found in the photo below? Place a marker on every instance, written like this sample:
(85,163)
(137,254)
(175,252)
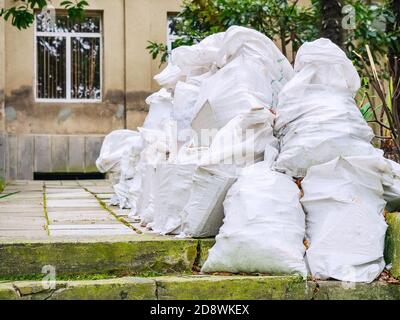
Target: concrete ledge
(233,288)
(115,289)
(392,246)
(141,257)
(200,287)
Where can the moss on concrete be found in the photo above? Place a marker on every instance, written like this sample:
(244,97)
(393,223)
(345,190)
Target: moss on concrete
(7,292)
(335,290)
(119,289)
(115,289)
(233,287)
(200,287)
(110,258)
(392,245)
(2,184)
(204,245)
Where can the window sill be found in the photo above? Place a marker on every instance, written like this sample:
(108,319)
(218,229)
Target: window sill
(71,101)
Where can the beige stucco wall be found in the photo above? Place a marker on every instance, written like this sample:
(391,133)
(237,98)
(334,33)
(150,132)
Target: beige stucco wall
(2,71)
(144,20)
(141,68)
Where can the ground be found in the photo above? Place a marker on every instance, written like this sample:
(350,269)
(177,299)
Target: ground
(97,252)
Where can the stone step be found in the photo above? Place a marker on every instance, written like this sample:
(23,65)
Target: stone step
(198,288)
(110,255)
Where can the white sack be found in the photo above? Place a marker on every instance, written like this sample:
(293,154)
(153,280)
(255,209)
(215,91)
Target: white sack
(155,150)
(243,140)
(317,117)
(129,170)
(160,109)
(204,212)
(170,76)
(238,87)
(113,148)
(392,190)
(172,193)
(185,98)
(249,43)
(264,226)
(344,205)
(203,54)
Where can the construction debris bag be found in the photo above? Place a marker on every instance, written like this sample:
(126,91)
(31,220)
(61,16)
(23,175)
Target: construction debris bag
(190,61)
(203,55)
(343,201)
(203,214)
(264,226)
(251,44)
(252,72)
(114,146)
(243,141)
(392,190)
(156,146)
(129,170)
(160,109)
(172,193)
(317,118)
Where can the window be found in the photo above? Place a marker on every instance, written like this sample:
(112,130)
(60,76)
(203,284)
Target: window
(171,35)
(68,59)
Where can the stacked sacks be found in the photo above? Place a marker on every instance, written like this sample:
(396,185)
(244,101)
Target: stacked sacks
(324,138)
(242,142)
(192,75)
(317,117)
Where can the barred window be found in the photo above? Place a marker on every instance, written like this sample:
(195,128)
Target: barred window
(69,58)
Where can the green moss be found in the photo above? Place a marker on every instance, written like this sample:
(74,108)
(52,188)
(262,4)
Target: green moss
(392,245)
(233,287)
(204,245)
(112,289)
(335,290)
(91,169)
(120,289)
(2,184)
(110,258)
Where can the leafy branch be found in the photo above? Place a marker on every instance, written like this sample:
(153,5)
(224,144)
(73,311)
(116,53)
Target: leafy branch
(22,14)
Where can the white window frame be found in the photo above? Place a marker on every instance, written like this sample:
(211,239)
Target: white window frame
(68,36)
(171,38)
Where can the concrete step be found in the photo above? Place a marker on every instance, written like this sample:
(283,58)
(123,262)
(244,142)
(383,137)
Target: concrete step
(116,255)
(199,288)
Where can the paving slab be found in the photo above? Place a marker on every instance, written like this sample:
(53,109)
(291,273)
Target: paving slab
(74,203)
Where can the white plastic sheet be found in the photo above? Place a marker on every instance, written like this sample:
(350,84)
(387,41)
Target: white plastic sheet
(264,226)
(317,118)
(344,205)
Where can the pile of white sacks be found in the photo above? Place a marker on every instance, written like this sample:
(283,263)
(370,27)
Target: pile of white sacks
(276,163)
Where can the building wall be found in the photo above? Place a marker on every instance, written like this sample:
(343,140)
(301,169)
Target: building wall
(66,137)
(2,118)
